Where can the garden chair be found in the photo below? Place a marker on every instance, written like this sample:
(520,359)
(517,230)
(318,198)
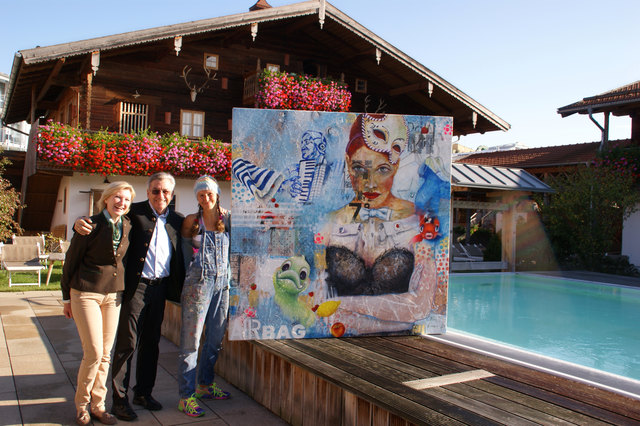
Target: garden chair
(57,256)
(31,239)
(22,258)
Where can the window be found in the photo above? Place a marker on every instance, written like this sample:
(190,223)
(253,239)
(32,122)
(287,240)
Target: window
(361,85)
(211,61)
(133,117)
(192,123)
(273,68)
(2,90)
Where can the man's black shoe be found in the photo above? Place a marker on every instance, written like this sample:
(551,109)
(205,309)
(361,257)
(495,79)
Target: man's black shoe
(123,411)
(148,402)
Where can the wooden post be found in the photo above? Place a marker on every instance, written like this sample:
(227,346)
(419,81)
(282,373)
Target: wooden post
(87,99)
(635,127)
(32,112)
(509,231)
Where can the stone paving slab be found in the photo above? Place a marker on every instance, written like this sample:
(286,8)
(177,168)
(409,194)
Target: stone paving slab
(9,409)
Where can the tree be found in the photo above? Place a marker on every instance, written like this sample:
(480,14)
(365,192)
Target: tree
(9,204)
(586,212)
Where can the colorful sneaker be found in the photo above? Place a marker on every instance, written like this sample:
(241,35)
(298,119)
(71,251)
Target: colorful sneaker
(190,406)
(211,392)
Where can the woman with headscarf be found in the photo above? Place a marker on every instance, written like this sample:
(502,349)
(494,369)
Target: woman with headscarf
(205,298)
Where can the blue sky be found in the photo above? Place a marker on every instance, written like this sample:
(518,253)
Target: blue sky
(520,59)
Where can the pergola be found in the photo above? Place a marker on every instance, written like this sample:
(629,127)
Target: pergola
(497,189)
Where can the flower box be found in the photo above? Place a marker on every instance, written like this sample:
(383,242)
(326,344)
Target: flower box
(141,154)
(281,90)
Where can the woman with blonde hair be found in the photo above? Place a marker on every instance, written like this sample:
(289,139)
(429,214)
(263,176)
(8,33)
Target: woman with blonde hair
(92,284)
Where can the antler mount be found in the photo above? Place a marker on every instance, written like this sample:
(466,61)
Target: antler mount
(194,89)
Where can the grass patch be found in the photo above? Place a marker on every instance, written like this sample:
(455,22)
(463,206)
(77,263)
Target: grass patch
(20,277)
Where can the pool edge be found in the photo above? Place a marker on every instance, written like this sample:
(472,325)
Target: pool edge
(597,378)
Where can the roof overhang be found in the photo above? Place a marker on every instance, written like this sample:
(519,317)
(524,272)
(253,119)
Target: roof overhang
(34,69)
(496,178)
(622,101)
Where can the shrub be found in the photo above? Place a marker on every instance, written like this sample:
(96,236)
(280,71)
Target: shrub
(586,212)
(493,248)
(9,204)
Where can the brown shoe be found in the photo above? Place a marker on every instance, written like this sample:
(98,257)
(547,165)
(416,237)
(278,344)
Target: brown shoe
(104,418)
(83,418)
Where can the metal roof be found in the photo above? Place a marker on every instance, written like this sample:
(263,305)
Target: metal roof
(489,177)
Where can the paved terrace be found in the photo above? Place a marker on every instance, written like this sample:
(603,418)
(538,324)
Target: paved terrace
(40,353)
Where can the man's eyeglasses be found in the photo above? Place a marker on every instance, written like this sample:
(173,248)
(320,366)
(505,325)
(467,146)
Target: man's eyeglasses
(158,191)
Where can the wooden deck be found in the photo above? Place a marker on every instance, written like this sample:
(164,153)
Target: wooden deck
(409,380)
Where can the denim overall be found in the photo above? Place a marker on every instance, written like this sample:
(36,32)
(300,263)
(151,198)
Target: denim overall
(205,303)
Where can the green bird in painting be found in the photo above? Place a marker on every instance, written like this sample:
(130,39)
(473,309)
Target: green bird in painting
(289,281)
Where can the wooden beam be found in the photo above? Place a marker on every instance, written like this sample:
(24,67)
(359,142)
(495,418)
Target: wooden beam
(415,87)
(32,111)
(479,205)
(47,105)
(52,75)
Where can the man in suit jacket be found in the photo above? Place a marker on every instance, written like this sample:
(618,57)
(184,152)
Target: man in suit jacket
(154,271)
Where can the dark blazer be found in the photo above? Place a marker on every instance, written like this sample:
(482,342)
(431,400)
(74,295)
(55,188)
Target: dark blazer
(143,222)
(90,264)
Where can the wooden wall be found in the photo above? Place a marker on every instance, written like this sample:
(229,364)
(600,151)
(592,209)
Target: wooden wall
(153,73)
(289,390)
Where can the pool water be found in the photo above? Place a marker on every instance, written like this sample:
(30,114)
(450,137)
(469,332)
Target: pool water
(591,324)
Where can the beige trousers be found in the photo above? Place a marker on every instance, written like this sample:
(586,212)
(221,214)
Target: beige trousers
(96,317)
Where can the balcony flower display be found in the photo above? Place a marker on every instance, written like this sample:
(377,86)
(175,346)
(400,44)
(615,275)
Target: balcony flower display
(281,90)
(620,159)
(107,153)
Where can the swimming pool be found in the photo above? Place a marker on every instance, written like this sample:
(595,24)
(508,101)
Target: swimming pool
(590,324)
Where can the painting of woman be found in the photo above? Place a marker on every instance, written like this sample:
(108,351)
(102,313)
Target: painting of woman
(370,248)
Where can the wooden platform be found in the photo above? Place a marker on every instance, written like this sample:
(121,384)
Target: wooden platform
(409,380)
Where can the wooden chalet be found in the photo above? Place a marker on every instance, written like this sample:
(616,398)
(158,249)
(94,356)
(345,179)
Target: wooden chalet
(188,77)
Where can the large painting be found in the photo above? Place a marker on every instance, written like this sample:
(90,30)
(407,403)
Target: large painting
(340,224)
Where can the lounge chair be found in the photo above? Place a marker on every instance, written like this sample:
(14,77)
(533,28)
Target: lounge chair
(22,258)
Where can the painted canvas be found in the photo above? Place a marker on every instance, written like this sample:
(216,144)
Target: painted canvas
(340,224)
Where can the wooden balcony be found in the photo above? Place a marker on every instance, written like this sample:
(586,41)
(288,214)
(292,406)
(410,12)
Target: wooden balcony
(250,89)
